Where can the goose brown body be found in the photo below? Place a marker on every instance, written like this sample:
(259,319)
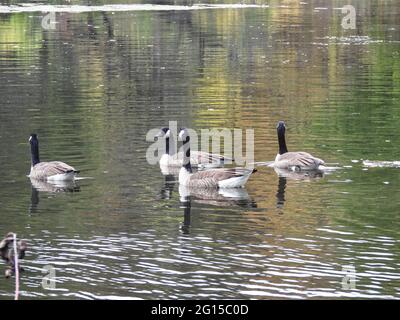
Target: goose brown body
(44,170)
(302,160)
(215,178)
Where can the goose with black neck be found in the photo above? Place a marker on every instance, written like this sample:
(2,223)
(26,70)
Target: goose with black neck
(298,161)
(50,171)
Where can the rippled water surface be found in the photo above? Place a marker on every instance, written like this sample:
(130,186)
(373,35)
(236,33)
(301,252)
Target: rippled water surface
(95,83)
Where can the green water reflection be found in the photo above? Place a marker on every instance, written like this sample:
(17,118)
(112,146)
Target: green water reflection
(95,85)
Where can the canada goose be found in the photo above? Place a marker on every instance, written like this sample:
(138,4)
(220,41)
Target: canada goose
(293,160)
(7,252)
(51,171)
(197,158)
(213,178)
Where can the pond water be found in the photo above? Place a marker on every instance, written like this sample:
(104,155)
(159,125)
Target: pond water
(92,87)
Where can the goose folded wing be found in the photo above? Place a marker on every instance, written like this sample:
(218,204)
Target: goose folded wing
(54,167)
(299,159)
(211,178)
(221,174)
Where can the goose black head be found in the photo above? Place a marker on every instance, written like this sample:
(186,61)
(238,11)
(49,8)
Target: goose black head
(33,138)
(183,134)
(281,126)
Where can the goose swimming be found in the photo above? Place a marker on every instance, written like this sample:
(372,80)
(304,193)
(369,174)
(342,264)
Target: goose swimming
(213,178)
(50,171)
(293,160)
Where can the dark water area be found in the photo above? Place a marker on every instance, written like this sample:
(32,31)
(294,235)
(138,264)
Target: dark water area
(92,88)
